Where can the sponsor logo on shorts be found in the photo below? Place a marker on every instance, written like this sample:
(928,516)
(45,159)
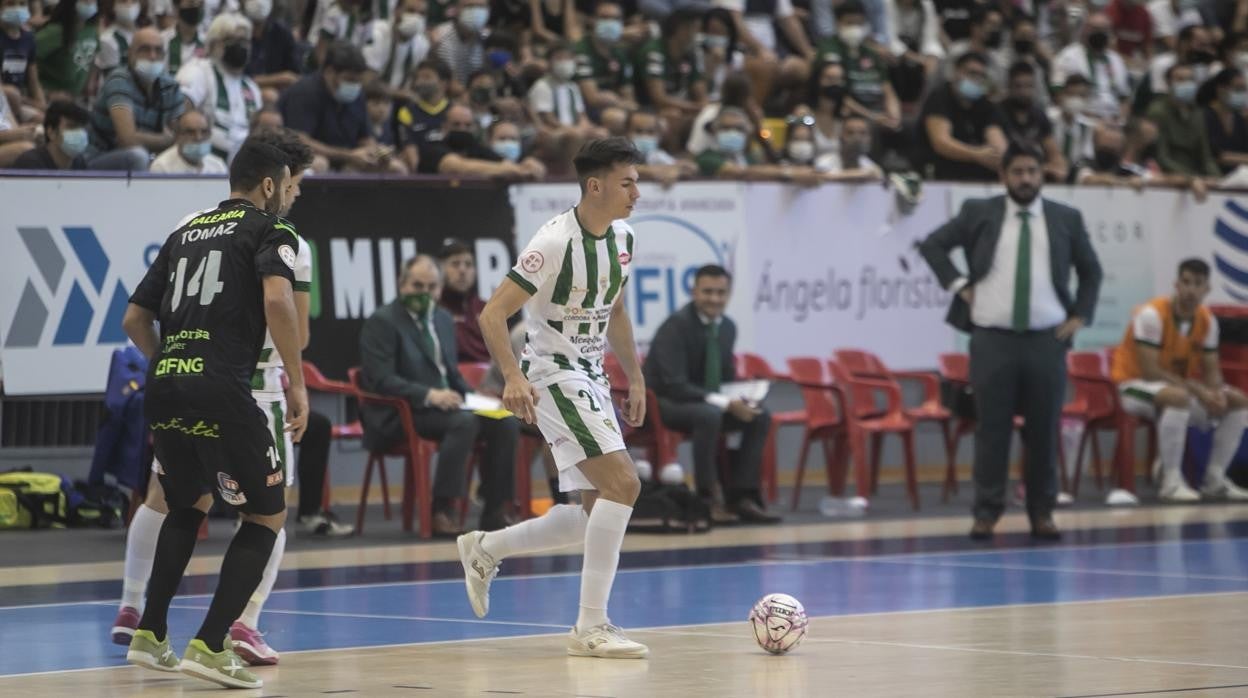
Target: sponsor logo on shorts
(199,428)
(229,490)
(532,261)
(275,479)
(559,442)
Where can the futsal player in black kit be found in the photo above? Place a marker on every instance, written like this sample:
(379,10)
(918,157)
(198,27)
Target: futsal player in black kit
(216,285)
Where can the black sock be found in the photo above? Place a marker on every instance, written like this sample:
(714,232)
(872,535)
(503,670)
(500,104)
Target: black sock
(313,460)
(240,575)
(555,495)
(173,551)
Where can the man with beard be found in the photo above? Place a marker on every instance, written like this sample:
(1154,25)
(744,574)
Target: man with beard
(460,152)
(1015,301)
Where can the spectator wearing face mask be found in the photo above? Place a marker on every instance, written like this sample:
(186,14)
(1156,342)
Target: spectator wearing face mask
(603,70)
(217,86)
(191,152)
(116,40)
(460,152)
(1223,100)
(274,58)
(958,127)
(850,162)
(827,97)
(555,99)
(645,132)
(1182,141)
(1195,48)
(458,43)
(328,108)
(397,46)
(736,93)
(482,99)
(380,112)
(1072,127)
(183,42)
(1026,48)
(19,72)
(136,108)
(987,37)
(64,47)
(668,69)
(870,94)
(1102,66)
(504,139)
(65,135)
(731,156)
(1024,121)
(341,21)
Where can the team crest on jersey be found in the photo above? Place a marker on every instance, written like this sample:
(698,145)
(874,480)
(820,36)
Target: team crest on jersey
(625,258)
(229,490)
(532,261)
(287,254)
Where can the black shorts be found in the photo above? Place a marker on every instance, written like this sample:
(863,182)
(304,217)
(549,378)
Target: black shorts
(238,459)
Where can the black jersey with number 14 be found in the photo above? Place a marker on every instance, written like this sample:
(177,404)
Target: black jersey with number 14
(206,288)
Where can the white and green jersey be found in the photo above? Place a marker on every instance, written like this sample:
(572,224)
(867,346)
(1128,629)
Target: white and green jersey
(268,375)
(574,279)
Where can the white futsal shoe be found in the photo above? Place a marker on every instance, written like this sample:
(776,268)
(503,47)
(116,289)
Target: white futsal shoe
(1175,489)
(606,641)
(479,570)
(1223,488)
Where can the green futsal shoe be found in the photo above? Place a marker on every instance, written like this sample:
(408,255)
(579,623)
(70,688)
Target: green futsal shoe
(223,668)
(146,651)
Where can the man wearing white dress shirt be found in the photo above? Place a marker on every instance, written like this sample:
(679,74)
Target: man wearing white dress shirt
(1015,301)
(216,85)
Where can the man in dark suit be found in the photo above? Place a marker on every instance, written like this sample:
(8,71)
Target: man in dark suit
(690,358)
(407,349)
(1016,303)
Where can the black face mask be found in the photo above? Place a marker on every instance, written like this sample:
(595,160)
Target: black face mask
(236,55)
(834,92)
(1107,160)
(1018,102)
(481,95)
(1098,41)
(1202,56)
(460,140)
(191,15)
(1024,46)
(993,40)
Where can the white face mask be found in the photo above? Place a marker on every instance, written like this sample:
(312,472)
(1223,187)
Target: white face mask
(411,25)
(802,151)
(564,69)
(258,10)
(853,36)
(1074,105)
(127,15)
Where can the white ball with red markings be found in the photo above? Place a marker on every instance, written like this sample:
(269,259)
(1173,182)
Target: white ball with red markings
(779,623)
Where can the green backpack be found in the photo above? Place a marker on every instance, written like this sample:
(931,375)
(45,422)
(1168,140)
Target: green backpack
(31,500)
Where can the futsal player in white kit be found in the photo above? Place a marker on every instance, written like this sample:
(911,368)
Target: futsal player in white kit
(572,277)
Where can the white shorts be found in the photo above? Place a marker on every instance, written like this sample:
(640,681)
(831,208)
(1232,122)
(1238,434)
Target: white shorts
(273,405)
(1138,396)
(577,419)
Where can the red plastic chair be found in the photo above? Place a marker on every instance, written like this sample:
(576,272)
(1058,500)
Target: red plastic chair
(864,419)
(656,440)
(474,373)
(528,447)
(867,365)
(1086,371)
(1094,404)
(825,422)
(755,367)
(416,454)
(352,431)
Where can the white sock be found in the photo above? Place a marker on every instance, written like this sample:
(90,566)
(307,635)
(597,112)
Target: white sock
(251,614)
(604,534)
(140,551)
(1226,438)
(562,525)
(1172,439)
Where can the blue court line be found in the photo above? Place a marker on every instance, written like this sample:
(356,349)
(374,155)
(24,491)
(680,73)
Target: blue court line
(26,595)
(74,636)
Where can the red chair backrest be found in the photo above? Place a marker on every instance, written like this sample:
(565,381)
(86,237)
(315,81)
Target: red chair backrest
(615,372)
(956,367)
(315,380)
(817,392)
(1098,398)
(857,363)
(473,373)
(754,367)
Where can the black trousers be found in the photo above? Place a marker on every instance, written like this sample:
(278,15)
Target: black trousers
(457,433)
(704,423)
(1024,374)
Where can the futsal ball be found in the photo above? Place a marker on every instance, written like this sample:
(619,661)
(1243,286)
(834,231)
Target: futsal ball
(779,623)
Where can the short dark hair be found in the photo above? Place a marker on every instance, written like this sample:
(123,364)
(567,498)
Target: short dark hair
(62,110)
(598,156)
(376,89)
(453,248)
(489,130)
(970,56)
(298,154)
(255,161)
(1022,68)
(345,57)
(1019,149)
(1076,80)
(1176,66)
(850,8)
(1195,266)
(1186,33)
(442,70)
(980,14)
(713,271)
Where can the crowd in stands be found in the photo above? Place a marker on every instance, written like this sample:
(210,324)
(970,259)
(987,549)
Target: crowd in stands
(1132,92)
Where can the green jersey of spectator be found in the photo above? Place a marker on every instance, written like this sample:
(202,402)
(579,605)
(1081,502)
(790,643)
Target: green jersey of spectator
(611,72)
(678,74)
(711,161)
(866,73)
(65,68)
